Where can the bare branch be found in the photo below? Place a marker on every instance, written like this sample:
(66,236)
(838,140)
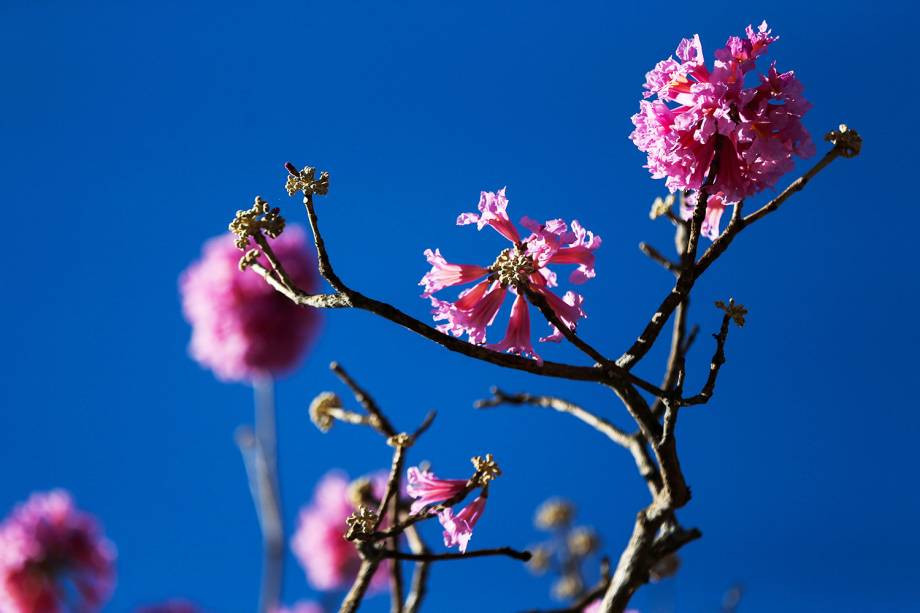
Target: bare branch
(715,365)
(540,302)
(632,442)
(659,258)
(419,585)
(359,587)
(378,419)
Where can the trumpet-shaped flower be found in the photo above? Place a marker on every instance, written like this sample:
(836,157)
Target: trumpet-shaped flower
(53,558)
(522,270)
(758,129)
(427,489)
(458,528)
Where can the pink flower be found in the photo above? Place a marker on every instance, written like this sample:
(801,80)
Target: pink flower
(300,607)
(329,560)
(53,558)
(171,606)
(241,327)
(458,529)
(715,206)
(759,128)
(521,267)
(427,489)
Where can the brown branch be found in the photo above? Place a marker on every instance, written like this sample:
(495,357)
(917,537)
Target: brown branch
(659,258)
(356,594)
(378,419)
(631,442)
(523,556)
(715,365)
(540,302)
(690,274)
(419,586)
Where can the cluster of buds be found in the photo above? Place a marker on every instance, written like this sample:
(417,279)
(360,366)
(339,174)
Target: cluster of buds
(846,140)
(565,551)
(305,181)
(361,523)
(258,218)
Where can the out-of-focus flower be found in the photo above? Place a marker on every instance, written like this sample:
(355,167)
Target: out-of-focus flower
(458,528)
(759,128)
(521,268)
(583,541)
(53,558)
(427,489)
(554,513)
(302,606)
(241,327)
(171,606)
(330,561)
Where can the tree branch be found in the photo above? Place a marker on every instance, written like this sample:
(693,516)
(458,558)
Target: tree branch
(631,442)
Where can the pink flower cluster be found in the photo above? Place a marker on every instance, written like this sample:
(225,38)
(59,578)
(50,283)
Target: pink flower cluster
(758,128)
(241,327)
(329,560)
(427,489)
(522,266)
(53,558)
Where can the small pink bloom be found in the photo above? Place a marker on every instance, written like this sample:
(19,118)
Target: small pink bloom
(520,267)
(458,529)
(53,558)
(427,489)
(715,206)
(517,338)
(241,327)
(492,212)
(443,274)
(329,560)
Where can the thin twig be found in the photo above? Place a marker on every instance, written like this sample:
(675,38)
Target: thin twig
(715,365)
(540,302)
(356,594)
(630,442)
(365,400)
(659,258)
(419,585)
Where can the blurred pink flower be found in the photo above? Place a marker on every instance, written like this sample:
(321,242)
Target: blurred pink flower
(458,529)
(427,489)
(760,127)
(53,558)
(241,327)
(329,560)
(300,607)
(523,266)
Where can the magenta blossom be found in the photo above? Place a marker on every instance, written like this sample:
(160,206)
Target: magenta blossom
(242,328)
(319,543)
(53,558)
(520,269)
(758,129)
(458,528)
(428,489)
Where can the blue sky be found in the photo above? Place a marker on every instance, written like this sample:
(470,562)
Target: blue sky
(132,131)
